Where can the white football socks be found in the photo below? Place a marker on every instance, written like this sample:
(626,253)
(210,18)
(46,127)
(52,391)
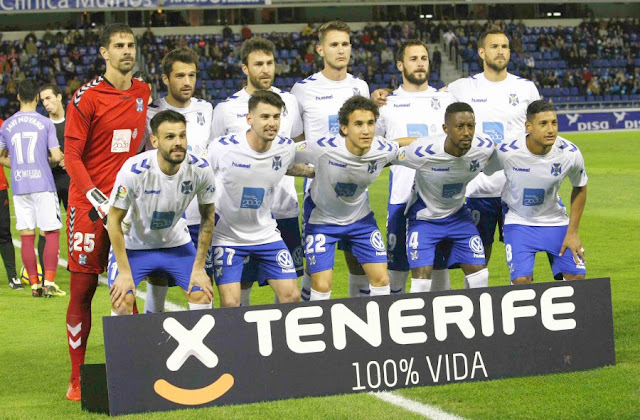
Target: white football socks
(199,306)
(477,279)
(420,285)
(380,291)
(315,295)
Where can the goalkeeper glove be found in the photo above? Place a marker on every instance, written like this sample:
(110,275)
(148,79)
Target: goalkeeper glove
(100,204)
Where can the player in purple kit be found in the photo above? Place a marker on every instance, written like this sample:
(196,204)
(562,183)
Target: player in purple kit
(28,137)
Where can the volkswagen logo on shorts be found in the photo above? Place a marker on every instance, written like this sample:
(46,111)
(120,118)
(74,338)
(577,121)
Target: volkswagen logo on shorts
(475,243)
(376,241)
(284,259)
(298,256)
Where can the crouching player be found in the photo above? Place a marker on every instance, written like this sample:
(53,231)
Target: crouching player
(336,207)
(157,187)
(437,218)
(535,166)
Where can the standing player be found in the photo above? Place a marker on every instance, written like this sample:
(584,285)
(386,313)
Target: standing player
(249,166)
(105,126)
(7,251)
(157,187)
(179,74)
(336,207)
(258,64)
(51,97)
(319,97)
(436,214)
(536,221)
(28,137)
(413,110)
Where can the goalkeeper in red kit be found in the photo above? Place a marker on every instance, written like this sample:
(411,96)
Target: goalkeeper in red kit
(105,124)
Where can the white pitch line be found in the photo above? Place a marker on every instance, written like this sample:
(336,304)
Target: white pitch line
(426,410)
(416,407)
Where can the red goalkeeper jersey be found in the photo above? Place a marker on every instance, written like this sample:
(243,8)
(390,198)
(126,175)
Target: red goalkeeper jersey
(104,128)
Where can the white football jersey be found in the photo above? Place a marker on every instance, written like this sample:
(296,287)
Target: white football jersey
(410,114)
(156,201)
(246,183)
(338,194)
(320,99)
(501,112)
(199,115)
(533,181)
(441,178)
(230,117)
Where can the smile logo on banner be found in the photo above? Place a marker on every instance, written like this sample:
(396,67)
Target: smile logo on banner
(190,344)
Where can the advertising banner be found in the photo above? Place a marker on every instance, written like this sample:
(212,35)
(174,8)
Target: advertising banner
(600,120)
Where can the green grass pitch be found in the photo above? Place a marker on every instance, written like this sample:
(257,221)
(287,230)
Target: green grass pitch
(34,361)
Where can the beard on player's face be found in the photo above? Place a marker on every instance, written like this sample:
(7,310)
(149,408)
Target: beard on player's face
(416,77)
(167,154)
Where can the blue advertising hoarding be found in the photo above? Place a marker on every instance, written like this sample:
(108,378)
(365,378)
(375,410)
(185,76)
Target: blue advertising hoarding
(619,119)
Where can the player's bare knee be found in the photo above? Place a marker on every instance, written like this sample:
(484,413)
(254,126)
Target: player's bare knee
(199,297)
(422,272)
(379,280)
(471,268)
(570,277)
(522,280)
(229,301)
(289,295)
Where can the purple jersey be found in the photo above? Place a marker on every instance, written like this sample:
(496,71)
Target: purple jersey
(29,136)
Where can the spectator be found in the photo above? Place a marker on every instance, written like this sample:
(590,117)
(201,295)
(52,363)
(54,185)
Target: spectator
(436,61)
(246,32)
(386,56)
(31,37)
(529,61)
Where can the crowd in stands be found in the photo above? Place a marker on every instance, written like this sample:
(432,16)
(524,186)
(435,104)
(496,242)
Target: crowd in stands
(595,61)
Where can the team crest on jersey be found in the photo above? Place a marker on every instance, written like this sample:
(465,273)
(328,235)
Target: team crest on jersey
(284,111)
(135,133)
(373,167)
(414,255)
(139,105)
(200,118)
(435,103)
(356,91)
(513,99)
(276,164)
(218,271)
(474,165)
(187,187)
(82,259)
(556,169)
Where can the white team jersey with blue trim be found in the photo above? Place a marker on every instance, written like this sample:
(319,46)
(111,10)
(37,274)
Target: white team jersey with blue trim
(199,115)
(339,190)
(501,112)
(246,183)
(533,181)
(230,117)
(320,99)
(441,178)
(156,201)
(410,114)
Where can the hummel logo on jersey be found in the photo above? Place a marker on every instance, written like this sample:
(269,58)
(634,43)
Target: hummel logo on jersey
(440,169)
(479,100)
(401,105)
(322,98)
(340,165)
(241,115)
(152,191)
(187,187)
(241,165)
(277,163)
(513,99)
(139,104)
(556,169)
(200,118)
(373,167)
(474,165)
(435,103)
(522,169)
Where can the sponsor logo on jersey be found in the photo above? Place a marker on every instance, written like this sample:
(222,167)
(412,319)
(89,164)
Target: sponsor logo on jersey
(450,190)
(475,244)
(135,133)
(556,169)
(334,125)
(121,191)
(276,164)
(162,219)
(435,103)
(402,155)
(187,187)
(480,100)
(139,104)
(302,146)
(241,115)
(285,261)
(495,130)
(344,189)
(322,98)
(252,198)
(417,130)
(200,118)
(340,165)
(152,191)
(377,242)
(441,169)
(401,105)
(532,197)
(241,165)
(20,174)
(474,165)
(513,99)
(298,256)
(373,167)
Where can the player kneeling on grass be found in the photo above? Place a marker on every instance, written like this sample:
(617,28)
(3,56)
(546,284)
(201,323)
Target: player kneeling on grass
(536,221)
(336,207)
(157,186)
(440,229)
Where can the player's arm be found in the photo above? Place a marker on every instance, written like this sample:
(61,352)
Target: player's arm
(301,170)
(198,275)
(124,281)
(572,240)
(4,158)
(494,164)
(56,156)
(405,141)
(379,96)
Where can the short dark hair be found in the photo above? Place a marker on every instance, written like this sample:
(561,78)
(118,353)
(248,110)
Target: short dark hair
(456,107)
(334,25)
(484,35)
(409,43)
(28,90)
(181,54)
(144,76)
(265,97)
(166,116)
(113,28)
(537,107)
(356,103)
(256,44)
(55,89)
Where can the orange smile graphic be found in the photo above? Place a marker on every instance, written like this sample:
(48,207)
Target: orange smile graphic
(194,396)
